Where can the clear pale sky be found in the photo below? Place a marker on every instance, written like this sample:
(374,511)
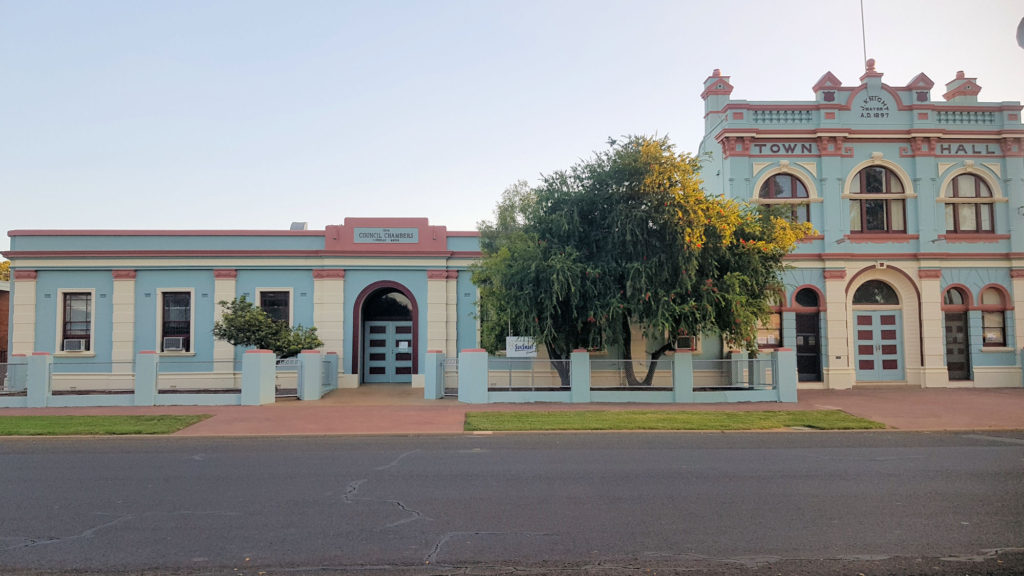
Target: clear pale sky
(251,114)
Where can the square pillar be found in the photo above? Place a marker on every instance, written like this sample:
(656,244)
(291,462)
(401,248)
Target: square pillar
(147,368)
(838,372)
(258,377)
(310,380)
(224,283)
(579,375)
(682,376)
(784,371)
(329,311)
(40,366)
(433,370)
(473,376)
(23,311)
(123,334)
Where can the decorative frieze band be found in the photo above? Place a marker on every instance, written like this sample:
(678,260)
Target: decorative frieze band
(929,274)
(835,274)
(25,274)
(442,274)
(328,273)
(123,274)
(225,273)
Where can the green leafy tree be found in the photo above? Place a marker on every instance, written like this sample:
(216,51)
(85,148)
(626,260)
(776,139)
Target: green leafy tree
(628,239)
(245,324)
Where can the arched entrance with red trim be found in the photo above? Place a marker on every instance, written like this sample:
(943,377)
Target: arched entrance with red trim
(385,333)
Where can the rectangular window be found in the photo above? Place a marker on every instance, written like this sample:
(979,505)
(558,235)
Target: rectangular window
(176,322)
(76,322)
(992,329)
(770,335)
(276,304)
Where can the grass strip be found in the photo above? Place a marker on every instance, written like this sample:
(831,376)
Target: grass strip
(96,425)
(665,420)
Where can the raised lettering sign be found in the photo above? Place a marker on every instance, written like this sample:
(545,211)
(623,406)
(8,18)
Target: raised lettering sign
(967,149)
(874,107)
(386,236)
(784,148)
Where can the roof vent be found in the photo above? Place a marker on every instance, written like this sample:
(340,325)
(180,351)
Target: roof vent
(299,226)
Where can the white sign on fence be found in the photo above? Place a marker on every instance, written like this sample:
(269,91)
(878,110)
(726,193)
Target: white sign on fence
(520,347)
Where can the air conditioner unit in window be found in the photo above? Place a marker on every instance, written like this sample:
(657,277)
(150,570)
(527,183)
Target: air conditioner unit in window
(174,344)
(73,345)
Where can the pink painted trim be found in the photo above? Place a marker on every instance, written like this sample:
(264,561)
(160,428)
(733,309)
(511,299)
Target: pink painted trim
(834,274)
(463,234)
(437,274)
(830,115)
(973,238)
(165,233)
(828,81)
(474,350)
(21,355)
(783,349)
(25,274)
(826,257)
(1017,273)
(310,352)
(580,350)
(332,353)
(794,307)
(965,290)
(895,237)
(435,351)
(123,274)
(40,353)
(922,115)
(147,351)
(935,274)
(225,273)
(328,273)
(259,351)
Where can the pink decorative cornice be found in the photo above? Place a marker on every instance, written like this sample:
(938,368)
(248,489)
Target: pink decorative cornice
(1017,273)
(25,274)
(442,274)
(123,274)
(328,273)
(834,274)
(225,273)
(934,274)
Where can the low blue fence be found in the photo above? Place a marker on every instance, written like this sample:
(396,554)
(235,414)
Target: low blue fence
(770,377)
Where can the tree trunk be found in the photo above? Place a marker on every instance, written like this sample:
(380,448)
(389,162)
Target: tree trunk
(627,358)
(560,365)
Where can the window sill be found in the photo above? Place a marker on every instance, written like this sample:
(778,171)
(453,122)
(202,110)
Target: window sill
(989,238)
(177,354)
(64,354)
(879,237)
(997,349)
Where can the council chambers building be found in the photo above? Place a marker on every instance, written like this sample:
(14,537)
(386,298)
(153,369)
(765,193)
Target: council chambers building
(916,275)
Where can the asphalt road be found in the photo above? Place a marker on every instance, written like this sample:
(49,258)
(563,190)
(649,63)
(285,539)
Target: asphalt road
(768,503)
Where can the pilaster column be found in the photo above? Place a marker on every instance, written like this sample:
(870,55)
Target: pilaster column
(224,280)
(123,336)
(452,319)
(23,312)
(932,329)
(839,372)
(1017,282)
(329,310)
(437,310)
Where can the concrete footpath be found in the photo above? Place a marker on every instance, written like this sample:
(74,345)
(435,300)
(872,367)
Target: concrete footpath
(386,409)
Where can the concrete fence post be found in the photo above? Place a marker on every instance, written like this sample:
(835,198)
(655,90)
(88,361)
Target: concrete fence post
(682,376)
(17,372)
(579,375)
(433,387)
(332,370)
(784,370)
(737,367)
(40,369)
(258,377)
(473,376)
(147,370)
(310,377)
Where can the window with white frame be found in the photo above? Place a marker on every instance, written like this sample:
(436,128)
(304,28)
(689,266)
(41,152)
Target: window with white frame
(175,321)
(993,318)
(969,205)
(877,202)
(76,321)
(787,189)
(277,304)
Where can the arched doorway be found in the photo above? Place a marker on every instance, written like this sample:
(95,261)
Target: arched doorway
(958,355)
(878,332)
(807,305)
(387,326)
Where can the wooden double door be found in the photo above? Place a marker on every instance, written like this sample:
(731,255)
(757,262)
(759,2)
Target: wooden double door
(878,341)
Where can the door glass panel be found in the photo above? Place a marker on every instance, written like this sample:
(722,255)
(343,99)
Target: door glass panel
(890,364)
(863,320)
(888,334)
(887,320)
(890,349)
(866,364)
(874,215)
(968,220)
(864,334)
(865,349)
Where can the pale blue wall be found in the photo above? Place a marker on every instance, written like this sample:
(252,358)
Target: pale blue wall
(147,242)
(48,282)
(147,285)
(463,243)
(300,281)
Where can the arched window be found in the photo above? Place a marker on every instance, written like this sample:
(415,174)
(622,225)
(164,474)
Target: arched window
(878,203)
(387,305)
(955,299)
(993,317)
(787,189)
(968,205)
(876,292)
(807,298)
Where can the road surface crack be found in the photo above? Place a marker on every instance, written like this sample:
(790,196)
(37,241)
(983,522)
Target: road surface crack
(31,542)
(396,460)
